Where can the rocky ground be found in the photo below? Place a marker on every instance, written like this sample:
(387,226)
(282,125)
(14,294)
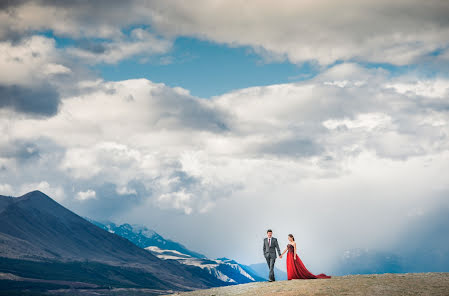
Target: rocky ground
(433,283)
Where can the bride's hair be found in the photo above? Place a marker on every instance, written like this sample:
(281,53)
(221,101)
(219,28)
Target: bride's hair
(291,235)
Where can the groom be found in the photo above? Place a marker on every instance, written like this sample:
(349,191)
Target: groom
(270,244)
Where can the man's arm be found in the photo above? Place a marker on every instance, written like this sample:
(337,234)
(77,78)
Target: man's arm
(277,247)
(264,247)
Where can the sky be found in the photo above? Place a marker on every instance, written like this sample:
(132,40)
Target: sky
(211,121)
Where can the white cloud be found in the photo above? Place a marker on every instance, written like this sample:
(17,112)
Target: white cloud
(30,61)
(85,195)
(123,190)
(310,153)
(325,31)
(367,121)
(37,74)
(140,42)
(436,88)
(172,142)
(65,20)
(178,200)
(53,69)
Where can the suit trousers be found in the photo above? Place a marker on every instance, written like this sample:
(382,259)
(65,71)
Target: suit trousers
(271,258)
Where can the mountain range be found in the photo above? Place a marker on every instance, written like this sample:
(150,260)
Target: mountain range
(143,237)
(46,244)
(224,269)
(43,241)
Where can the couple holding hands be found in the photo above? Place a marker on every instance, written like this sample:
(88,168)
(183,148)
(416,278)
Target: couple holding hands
(295,267)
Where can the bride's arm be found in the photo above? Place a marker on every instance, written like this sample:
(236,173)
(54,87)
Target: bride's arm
(294,245)
(283,252)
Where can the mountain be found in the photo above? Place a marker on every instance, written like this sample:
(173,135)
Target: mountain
(262,270)
(246,268)
(55,232)
(41,239)
(226,270)
(143,237)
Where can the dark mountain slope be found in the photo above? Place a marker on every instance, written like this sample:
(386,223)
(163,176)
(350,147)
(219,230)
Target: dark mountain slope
(61,234)
(35,227)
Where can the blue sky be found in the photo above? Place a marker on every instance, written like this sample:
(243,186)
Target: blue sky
(208,69)
(205,68)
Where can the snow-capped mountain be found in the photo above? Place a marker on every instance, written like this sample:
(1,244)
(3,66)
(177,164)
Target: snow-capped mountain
(226,270)
(143,237)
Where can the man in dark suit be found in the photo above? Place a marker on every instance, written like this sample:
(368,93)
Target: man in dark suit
(270,245)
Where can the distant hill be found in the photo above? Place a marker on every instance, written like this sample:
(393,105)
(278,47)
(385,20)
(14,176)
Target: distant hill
(41,239)
(432,283)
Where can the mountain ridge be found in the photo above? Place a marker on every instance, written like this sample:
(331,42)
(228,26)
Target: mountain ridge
(226,270)
(36,230)
(138,234)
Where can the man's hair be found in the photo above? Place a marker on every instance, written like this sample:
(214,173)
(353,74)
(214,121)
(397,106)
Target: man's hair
(269,230)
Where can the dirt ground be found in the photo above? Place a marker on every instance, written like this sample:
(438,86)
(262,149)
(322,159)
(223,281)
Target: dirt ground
(433,283)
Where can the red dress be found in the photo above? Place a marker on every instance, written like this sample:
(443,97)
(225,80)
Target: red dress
(297,270)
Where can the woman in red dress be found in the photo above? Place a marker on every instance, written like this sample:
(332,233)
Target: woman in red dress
(295,267)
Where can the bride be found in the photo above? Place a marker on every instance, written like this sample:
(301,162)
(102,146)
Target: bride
(295,267)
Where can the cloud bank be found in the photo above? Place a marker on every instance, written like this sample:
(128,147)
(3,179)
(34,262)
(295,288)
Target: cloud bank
(348,156)
(400,32)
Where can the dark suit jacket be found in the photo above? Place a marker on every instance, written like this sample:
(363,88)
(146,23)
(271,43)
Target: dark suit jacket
(271,250)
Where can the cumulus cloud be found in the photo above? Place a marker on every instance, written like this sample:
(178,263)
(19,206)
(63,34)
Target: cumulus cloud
(29,59)
(319,151)
(84,195)
(99,28)
(36,76)
(139,42)
(187,150)
(372,31)
(97,19)
(435,88)
(302,31)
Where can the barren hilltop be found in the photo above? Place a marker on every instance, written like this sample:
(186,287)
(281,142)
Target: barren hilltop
(431,283)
